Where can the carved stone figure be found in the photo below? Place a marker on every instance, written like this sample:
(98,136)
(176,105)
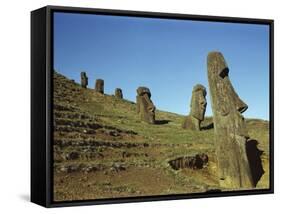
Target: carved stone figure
(197,108)
(99,87)
(231,134)
(84,79)
(145,106)
(118,93)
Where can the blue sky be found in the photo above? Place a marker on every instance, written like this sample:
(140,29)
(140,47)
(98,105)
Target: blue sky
(168,56)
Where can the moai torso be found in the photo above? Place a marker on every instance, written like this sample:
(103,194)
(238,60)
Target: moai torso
(84,80)
(118,93)
(145,107)
(99,87)
(197,108)
(229,126)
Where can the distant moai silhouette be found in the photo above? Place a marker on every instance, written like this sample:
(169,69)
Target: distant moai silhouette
(231,134)
(145,106)
(84,79)
(99,87)
(118,93)
(197,108)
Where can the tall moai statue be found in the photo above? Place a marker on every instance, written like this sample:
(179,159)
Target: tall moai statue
(145,106)
(229,125)
(84,79)
(197,108)
(118,93)
(99,87)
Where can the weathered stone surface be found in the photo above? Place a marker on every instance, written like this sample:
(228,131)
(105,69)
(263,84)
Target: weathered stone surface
(84,79)
(99,87)
(197,161)
(197,108)
(231,134)
(145,106)
(118,93)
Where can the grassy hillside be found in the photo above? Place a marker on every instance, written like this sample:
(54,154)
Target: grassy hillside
(103,150)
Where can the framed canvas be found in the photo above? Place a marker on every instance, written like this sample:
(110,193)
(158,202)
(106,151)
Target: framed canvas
(134,106)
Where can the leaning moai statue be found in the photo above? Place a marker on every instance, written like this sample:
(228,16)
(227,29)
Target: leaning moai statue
(145,106)
(84,79)
(99,87)
(197,108)
(118,93)
(229,125)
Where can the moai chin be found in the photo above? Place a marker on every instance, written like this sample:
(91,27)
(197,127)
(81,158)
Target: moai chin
(197,108)
(145,106)
(118,93)
(99,87)
(84,79)
(229,125)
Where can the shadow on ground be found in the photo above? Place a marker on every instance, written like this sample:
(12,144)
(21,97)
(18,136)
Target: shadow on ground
(162,122)
(254,158)
(207,127)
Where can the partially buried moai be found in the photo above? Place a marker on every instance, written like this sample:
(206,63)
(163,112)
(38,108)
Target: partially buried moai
(229,125)
(99,87)
(118,93)
(197,108)
(84,79)
(145,106)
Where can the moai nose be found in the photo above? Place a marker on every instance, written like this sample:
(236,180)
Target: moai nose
(151,108)
(204,103)
(241,106)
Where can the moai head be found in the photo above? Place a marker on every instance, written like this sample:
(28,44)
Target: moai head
(198,102)
(229,125)
(118,93)
(99,87)
(84,80)
(197,108)
(145,106)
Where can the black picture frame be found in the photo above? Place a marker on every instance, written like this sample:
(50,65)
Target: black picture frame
(41,103)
